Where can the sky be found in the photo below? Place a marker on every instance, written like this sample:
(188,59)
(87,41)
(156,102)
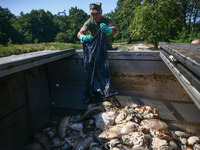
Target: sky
(54,6)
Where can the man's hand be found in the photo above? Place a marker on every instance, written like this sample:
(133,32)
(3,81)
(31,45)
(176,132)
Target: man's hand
(86,38)
(105,29)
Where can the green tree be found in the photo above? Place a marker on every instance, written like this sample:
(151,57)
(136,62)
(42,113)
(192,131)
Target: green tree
(37,24)
(157,20)
(7,32)
(61,20)
(76,19)
(191,17)
(61,37)
(122,17)
(191,23)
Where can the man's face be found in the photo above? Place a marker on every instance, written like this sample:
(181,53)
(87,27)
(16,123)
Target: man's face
(97,16)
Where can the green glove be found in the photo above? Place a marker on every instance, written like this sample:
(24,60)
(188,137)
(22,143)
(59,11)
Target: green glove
(86,38)
(105,29)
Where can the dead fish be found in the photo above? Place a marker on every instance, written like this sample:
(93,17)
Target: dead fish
(105,119)
(76,126)
(189,148)
(173,145)
(139,148)
(157,143)
(89,113)
(193,140)
(134,139)
(121,116)
(130,117)
(94,146)
(102,142)
(148,138)
(182,134)
(62,126)
(164,135)
(50,131)
(34,146)
(114,101)
(183,147)
(56,141)
(42,139)
(115,148)
(123,147)
(40,142)
(108,106)
(151,116)
(118,130)
(84,144)
(112,143)
(82,134)
(137,119)
(165,147)
(196,146)
(154,124)
(175,136)
(59,144)
(183,141)
(66,146)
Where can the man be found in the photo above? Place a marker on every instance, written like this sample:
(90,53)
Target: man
(96,22)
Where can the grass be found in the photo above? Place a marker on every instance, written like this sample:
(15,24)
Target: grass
(15,49)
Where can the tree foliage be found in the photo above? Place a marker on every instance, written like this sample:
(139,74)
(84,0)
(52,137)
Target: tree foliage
(122,18)
(149,20)
(37,24)
(77,18)
(156,21)
(71,24)
(61,37)
(41,26)
(6,29)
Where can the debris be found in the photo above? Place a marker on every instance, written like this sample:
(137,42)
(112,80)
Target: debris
(110,126)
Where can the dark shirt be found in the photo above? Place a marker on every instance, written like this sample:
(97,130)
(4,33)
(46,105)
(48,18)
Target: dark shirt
(93,27)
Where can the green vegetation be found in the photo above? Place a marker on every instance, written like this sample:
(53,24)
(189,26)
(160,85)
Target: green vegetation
(157,20)
(15,49)
(41,26)
(136,20)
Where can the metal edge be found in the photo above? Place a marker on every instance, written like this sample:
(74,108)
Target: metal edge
(128,55)
(191,64)
(28,57)
(191,90)
(39,60)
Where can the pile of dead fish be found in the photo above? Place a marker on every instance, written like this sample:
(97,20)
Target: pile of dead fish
(109,126)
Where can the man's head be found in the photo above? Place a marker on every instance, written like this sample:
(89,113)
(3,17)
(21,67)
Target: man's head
(96,11)
(95,7)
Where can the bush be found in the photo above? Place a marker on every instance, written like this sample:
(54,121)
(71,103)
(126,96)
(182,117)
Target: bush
(183,37)
(61,37)
(15,49)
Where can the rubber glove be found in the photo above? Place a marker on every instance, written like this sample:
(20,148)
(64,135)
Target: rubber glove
(86,38)
(105,29)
